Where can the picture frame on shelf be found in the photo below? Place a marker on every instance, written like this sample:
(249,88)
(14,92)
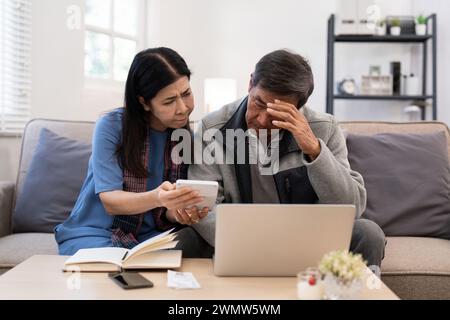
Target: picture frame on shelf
(373,85)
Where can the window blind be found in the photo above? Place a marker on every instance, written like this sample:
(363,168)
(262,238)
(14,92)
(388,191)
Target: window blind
(15,65)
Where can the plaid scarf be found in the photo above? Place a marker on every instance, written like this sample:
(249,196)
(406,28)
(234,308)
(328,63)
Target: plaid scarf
(126,228)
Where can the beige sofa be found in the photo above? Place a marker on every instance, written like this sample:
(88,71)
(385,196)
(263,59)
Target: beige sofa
(17,247)
(414,268)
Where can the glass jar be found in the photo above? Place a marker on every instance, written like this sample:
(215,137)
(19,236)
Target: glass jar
(336,289)
(412,113)
(309,285)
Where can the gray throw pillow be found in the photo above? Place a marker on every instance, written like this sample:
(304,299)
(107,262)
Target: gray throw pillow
(407,180)
(53,182)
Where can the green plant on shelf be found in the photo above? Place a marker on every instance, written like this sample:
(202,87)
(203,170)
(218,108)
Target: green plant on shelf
(395,22)
(421,19)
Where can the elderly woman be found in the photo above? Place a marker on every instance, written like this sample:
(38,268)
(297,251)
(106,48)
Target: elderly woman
(129,193)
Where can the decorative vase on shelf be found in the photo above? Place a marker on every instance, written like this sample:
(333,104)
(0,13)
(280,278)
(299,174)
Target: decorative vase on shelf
(395,31)
(380,30)
(336,289)
(380,27)
(421,25)
(421,29)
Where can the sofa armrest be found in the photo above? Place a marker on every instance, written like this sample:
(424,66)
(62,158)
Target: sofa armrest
(6,207)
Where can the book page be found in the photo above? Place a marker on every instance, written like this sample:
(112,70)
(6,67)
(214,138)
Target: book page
(165,243)
(154,242)
(106,255)
(162,259)
(158,246)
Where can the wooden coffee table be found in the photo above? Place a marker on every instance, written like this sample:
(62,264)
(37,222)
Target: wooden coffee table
(40,277)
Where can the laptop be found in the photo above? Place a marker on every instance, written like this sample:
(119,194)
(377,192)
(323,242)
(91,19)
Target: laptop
(278,239)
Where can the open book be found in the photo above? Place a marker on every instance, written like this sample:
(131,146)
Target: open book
(150,254)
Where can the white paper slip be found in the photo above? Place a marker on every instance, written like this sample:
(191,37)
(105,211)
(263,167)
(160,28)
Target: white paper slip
(181,280)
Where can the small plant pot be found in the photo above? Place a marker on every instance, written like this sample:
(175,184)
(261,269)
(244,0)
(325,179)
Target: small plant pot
(395,31)
(421,29)
(380,30)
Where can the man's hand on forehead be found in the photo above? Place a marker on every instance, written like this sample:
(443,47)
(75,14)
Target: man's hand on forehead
(288,117)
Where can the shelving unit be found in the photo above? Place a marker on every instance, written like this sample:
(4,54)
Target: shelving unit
(422,40)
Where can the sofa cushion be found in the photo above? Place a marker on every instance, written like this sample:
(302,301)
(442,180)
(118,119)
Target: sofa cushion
(18,247)
(407,178)
(76,130)
(417,268)
(415,255)
(51,187)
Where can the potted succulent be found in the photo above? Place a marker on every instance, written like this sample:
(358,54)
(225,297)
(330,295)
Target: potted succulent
(421,25)
(343,274)
(380,27)
(395,27)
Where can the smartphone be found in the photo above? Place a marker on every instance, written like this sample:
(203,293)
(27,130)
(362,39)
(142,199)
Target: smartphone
(130,280)
(207,189)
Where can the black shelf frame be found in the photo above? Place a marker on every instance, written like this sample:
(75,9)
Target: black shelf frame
(422,40)
(373,97)
(387,38)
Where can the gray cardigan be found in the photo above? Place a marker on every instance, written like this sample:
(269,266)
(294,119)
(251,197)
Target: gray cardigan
(326,180)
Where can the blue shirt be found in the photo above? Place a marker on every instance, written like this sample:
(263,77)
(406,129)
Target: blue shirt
(89,225)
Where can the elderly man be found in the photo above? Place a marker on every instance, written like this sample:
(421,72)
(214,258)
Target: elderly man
(313,165)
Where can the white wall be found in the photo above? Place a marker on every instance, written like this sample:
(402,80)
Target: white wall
(223,39)
(59,88)
(227,38)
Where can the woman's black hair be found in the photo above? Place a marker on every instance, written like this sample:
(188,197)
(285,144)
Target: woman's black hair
(151,70)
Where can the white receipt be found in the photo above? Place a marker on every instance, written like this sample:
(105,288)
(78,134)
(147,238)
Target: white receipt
(181,280)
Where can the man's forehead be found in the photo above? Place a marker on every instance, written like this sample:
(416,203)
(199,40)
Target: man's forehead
(268,96)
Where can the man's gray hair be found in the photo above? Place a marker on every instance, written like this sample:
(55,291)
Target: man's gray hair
(285,73)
